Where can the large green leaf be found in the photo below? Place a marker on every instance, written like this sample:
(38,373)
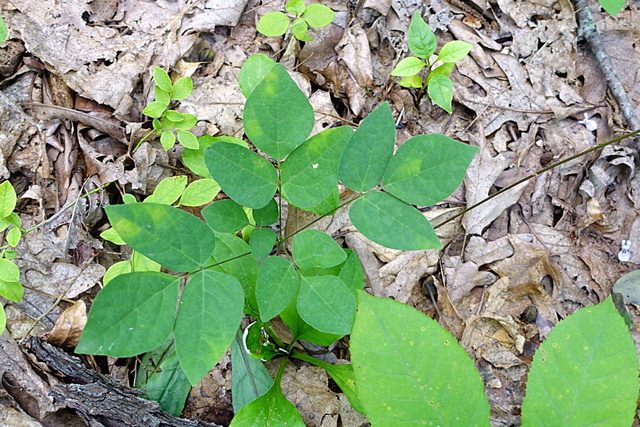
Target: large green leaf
(225,216)
(367,153)
(411,371)
(313,248)
(244,175)
(325,303)
(162,379)
(269,410)
(392,223)
(249,378)
(427,168)
(584,373)
(210,313)
(133,314)
(253,71)
(274,126)
(310,173)
(177,240)
(277,284)
(242,265)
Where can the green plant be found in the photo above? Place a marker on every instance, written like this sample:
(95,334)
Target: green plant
(166,121)
(422,43)
(10,225)
(314,289)
(3,30)
(613,7)
(275,24)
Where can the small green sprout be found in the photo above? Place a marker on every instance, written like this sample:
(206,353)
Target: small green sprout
(275,24)
(422,43)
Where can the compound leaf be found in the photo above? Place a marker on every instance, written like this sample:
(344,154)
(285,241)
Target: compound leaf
(392,223)
(411,371)
(133,314)
(244,175)
(208,318)
(274,126)
(177,240)
(427,168)
(584,373)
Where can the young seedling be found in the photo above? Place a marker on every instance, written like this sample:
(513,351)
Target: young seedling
(10,224)
(167,123)
(422,43)
(275,24)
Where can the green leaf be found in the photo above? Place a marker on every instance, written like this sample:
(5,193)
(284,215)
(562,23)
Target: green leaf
(168,190)
(162,379)
(9,272)
(249,378)
(267,215)
(629,287)
(313,248)
(304,331)
(253,71)
(3,38)
(411,81)
(269,410)
(351,272)
(13,237)
(440,91)
(167,139)
(162,79)
(422,41)
(296,7)
(242,265)
(182,88)
(328,205)
(199,192)
(154,109)
(310,173)
(3,315)
(194,159)
(13,291)
(111,235)
(132,315)
(261,242)
(408,67)
(318,15)
(454,51)
(392,223)
(162,96)
(173,116)
(225,216)
(120,267)
(443,70)
(411,371)
(584,373)
(613,7)
(278,282)
(299,28)
(140,262)
(244,175)
(187,139)
(188,121)
(274,126)
(177,240)
(427,169)
(325,303)
(368,151)
(209,315)
(8,199)
(273,24)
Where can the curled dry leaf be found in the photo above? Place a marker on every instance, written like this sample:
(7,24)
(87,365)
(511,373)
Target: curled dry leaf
(69,326)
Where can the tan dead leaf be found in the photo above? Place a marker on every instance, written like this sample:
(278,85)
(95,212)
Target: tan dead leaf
(529,264)
(69,326)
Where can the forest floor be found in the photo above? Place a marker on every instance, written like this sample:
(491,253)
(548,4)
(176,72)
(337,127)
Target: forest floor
(75,76)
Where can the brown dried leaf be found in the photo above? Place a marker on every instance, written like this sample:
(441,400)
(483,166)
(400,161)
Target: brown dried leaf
(69,326)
